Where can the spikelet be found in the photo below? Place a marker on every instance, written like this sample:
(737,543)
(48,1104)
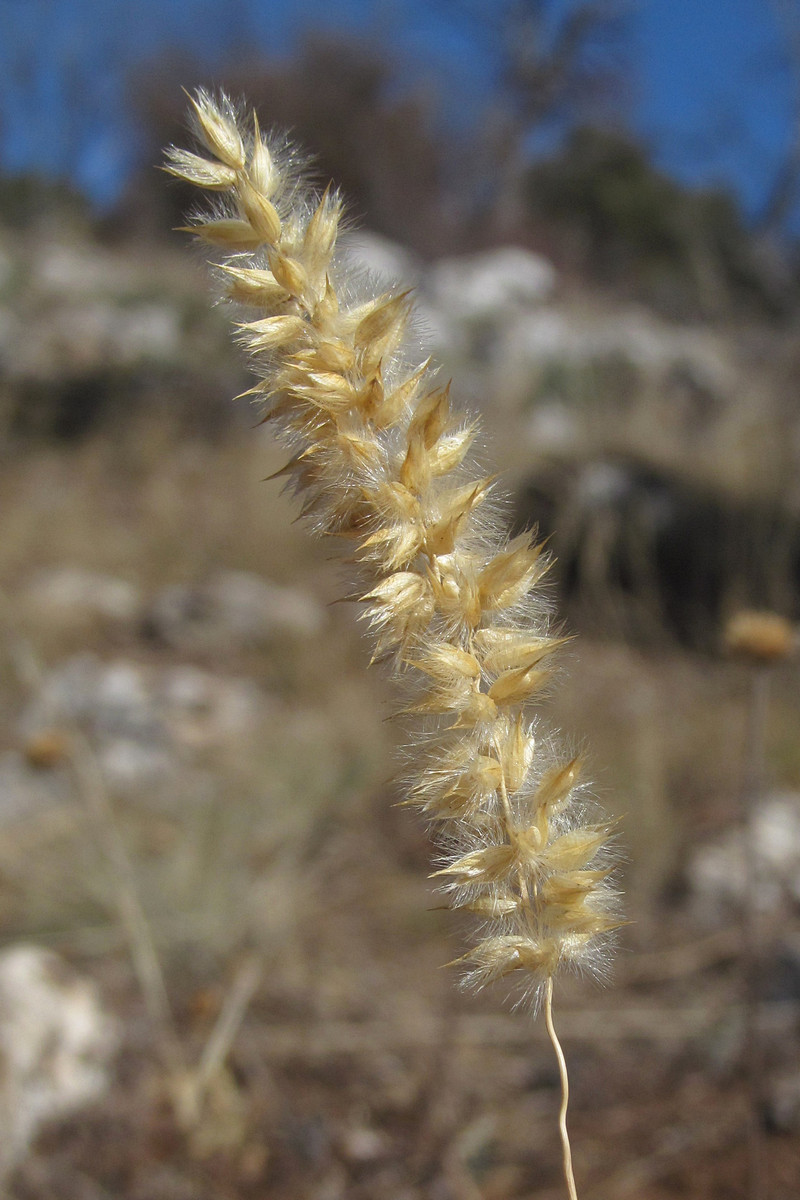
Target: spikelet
(760,638)
(380,458)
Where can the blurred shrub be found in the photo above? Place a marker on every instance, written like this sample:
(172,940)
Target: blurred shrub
(27,201)
(340,100)
(644,553)
(618,217)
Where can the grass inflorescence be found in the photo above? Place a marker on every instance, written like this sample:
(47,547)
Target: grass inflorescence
(382,459)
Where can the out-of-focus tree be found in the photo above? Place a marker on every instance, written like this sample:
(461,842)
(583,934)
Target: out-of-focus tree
(562,62)
(548,164)
(336,98)
(379,134)
(783,197)
(559,63)
(29,201)
(612,215)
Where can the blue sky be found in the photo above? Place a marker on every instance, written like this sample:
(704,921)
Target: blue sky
(715,89)
(709,80)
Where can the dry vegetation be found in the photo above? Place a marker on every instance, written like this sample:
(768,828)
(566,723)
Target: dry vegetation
(357,1069)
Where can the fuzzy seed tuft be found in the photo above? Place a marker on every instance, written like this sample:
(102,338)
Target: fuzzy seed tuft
(381,458)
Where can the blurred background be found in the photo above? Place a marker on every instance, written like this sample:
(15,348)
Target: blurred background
(219,973)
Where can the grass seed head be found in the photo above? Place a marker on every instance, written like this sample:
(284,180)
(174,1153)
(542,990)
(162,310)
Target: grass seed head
(760,637)
(380,457)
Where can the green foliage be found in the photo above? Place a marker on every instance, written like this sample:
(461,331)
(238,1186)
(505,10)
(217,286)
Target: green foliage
(630,225)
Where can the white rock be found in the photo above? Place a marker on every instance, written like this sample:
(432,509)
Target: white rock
(67,692)
(255,607)
(484,285)
(27,792)
(122,702)
(140,719)
(71,596)
(361,1144)
(109,699)
(94,335)
(552,428)
(56,1045)
(653,346)
(232,610)
(129,765)
(716,873)
(203,709)
(79,270)
(381,257)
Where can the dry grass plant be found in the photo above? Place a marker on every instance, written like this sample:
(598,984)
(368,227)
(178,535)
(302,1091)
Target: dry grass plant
(761,641)
(384,462)
(189,1084)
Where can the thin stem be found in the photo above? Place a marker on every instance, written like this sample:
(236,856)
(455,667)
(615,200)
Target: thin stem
(230,1018)
(752,952)
(562,1070)
(146,963)
(91,787)
(548,1003)
(548,996)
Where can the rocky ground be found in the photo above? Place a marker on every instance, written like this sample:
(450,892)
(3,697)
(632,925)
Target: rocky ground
(220,973)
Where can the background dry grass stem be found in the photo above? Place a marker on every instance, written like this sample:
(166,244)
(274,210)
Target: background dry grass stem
(237,1000)
(760,640)
(91,789)
(187,1085)
(752,949)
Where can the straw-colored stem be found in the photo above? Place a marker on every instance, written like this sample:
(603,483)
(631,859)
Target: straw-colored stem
(752,953)
(188,1085)
(91,788)
(562,1070)
(197,1083)
(132,916)
(548,1008)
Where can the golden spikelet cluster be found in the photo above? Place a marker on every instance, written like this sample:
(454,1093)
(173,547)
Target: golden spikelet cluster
(381,458)
(760,638)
